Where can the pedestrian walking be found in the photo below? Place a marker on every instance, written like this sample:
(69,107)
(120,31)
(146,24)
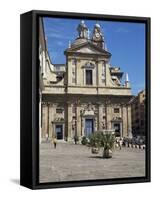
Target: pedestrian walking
(47,137)
(120,143)
(76,139)
(55,142)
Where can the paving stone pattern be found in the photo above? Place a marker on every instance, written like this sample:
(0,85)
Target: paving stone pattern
(70,162)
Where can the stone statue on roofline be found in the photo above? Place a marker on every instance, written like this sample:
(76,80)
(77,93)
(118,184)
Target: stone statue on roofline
(82,30)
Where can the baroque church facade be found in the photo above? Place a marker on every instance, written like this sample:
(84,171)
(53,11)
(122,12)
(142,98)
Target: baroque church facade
(86,93)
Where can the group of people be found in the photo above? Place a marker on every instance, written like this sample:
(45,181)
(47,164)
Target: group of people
(54,140)
(119,143)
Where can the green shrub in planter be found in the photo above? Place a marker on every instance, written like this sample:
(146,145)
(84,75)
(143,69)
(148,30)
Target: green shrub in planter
(94,140)
(104,140)
(107,142)
(84,140)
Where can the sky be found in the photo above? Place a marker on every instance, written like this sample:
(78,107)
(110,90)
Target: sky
(125,41)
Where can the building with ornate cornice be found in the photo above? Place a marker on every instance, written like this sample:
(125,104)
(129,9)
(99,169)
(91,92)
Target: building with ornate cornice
(138,114)
(86,93)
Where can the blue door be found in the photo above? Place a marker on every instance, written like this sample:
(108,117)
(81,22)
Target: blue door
(88,127)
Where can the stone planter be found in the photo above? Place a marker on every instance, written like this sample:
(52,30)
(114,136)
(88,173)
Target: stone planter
(94,150)
(107,153)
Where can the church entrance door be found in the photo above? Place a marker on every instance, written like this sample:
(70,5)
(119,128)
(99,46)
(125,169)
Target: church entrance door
(117,129)
(89,127)
(59,132)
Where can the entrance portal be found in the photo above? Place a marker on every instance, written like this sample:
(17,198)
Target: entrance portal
(59,132)
(117,128)
(89,128)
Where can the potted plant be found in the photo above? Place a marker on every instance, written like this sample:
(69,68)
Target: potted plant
(95,142)
(84,140)
(107,142)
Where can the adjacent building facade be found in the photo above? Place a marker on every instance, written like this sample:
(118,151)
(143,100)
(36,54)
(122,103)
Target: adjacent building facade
(138,114)
(85,94)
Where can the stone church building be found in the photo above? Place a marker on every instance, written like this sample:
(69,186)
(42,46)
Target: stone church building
(86,93)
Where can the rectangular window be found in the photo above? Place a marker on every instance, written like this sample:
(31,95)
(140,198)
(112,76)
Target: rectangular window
(88,77)
(59,110)
(116,110)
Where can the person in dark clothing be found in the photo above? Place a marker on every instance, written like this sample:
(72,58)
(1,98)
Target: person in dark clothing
(75,139)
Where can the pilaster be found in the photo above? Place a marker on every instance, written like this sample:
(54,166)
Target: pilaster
(78,122)
(68,121)
(108,115)
(129,120)
(69,71)
(124,117)
(99,124)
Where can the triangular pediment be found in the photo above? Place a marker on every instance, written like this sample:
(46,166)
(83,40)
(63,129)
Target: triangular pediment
(87,48)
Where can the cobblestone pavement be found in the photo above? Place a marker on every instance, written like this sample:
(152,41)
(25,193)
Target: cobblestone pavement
(75,162)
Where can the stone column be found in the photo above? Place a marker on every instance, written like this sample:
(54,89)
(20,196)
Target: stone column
(124,118)
(129,120)
(44,120)
(108,115)
(99,70)
(84,81)
(69,71)
(51,118)
(68,121)
(100,114)
(48,118)
(94,76)
(78,72)
(95,123)
(82,126)
(78,121)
